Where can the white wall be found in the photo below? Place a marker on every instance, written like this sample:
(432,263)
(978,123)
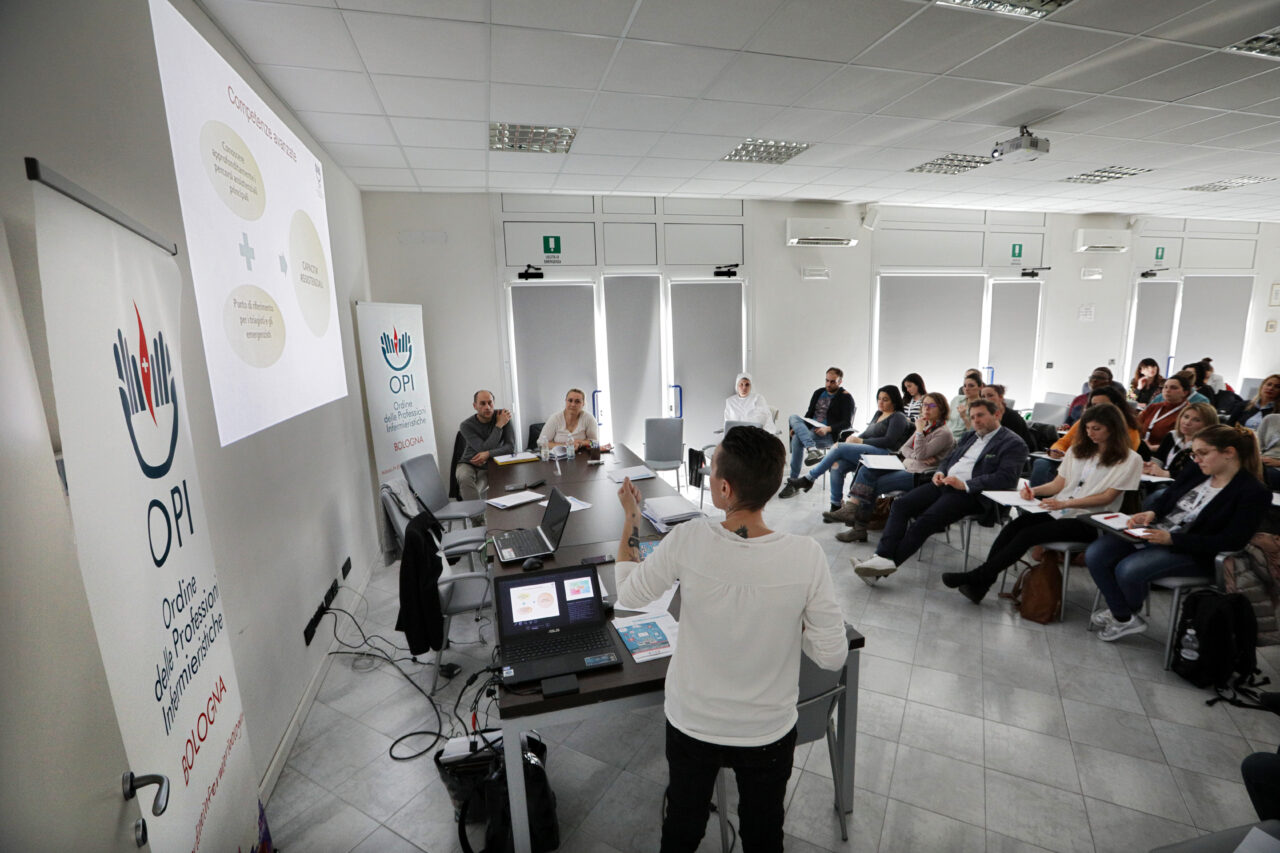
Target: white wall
(81,92)
(1262,348)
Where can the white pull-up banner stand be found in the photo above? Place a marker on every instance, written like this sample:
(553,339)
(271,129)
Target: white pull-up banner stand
(395,384)
(111,304)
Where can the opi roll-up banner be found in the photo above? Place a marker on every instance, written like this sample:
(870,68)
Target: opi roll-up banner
(395,383)
(111,304)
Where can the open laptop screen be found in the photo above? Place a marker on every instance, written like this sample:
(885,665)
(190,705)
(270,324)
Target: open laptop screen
(547,601)
(555,518)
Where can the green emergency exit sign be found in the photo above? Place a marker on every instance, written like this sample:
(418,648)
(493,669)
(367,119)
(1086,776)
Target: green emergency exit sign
(1017,250)
(1159,253)
(550,245)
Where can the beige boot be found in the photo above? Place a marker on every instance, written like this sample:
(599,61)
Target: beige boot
(856,533)
(844,515)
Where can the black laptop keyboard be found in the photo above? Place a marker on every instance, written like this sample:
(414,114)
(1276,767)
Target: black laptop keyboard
(523,542)
(556,644)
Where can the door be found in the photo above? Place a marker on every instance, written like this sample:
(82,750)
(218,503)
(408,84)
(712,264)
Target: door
(1211,322)
(1015,328)
(929,323)
(632,314)
(707,321)
(553,345)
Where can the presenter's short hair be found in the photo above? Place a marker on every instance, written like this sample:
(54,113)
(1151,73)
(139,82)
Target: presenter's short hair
(751,461)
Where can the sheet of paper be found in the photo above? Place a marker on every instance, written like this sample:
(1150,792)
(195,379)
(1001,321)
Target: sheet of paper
(1152,478)
(883,462)
(648,636)
(813,422)
(1114,520)
(1275,498)
(636,472)
(511,458)
(515,499)
(1015,499)
(1040,454)
(574,504)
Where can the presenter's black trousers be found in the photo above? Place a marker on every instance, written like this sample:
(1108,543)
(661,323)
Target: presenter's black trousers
(761,772)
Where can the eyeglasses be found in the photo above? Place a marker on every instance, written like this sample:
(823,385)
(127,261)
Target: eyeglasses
(928,405)
(1204,454)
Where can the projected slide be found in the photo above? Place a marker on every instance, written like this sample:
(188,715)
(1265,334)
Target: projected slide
(257,232)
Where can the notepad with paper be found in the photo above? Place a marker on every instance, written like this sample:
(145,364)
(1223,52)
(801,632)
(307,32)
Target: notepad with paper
(883,462)
(636,472)
(514,499)
(515,458)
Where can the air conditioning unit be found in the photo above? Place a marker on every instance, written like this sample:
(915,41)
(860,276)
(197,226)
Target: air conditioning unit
(820,232)
(1101,240)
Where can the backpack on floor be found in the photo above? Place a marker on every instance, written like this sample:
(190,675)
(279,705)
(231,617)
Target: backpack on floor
(544,828)
(1037,594)
(1227,636)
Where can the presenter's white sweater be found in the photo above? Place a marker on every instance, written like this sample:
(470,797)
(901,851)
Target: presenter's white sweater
(747,608)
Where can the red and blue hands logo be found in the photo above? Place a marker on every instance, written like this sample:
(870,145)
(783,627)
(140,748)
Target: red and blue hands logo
(395,346)
(147,390)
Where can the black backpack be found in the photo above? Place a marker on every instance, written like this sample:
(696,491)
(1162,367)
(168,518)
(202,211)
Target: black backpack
(1227,632)
(544,828)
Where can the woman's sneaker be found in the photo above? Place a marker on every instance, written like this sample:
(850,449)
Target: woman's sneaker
(1101,618)
(1117,629)
(814,455)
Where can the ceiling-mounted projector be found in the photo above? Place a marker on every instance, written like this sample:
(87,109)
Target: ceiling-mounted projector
(1022,147)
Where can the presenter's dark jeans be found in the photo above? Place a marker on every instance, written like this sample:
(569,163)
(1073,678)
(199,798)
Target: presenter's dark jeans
(932,508)
(762,773)
(1261,772)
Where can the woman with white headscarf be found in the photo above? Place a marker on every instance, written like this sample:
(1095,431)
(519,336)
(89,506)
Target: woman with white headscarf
(747,405)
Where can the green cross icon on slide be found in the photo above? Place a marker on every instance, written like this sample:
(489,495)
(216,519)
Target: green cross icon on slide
(551,245)
(1017,250)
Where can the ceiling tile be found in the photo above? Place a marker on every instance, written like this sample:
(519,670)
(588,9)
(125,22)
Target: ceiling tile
(1208,72)
(538,104)
(1211,129)
(322,90)
(797,174)
(1131,16)
(598,17)
(587,183)
(1095,113)
(959,136)
(1122,64)
(1158,120)
(379,156)
(727,171)
(1028,105)
(665,69)
(947,97)
(1037,51)
(368,177)
(830,154)
(446,158)
(725,117)
(662,167)
(439,133)
(287,35)
(1222,22)
(420,47)
(761,189)
(898,159)
(548,58)
(354,129)
(520,181)
(701,22)
(940,38)
(763,79)
(862,90)
(459,10)
(882,130)
(1241,94)
(694,146)
(423,97)
(614,142)
(660,186)
(597,164)
(830,29)
(526,161)
(636,112)
(1257,137)
(1271,108)
(709,187)
(450,178)
(854,177)
(806,125)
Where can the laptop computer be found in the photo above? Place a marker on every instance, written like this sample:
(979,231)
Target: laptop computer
(552,623)
(543,540)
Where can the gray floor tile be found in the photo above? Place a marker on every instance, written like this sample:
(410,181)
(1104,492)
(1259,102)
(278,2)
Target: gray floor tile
(1031,755)
(950,617)
(292,795)
(959,659)
(320,718)
(1135,783)
(1019,671)
(945,732)
(1039,814)
(889,643)
(1214,803)
(873,764)
(883,675)
(383,785)
(1011,639)
(1148,664)
(997,843)
(328,826)
(1079,648)
(602,738)
(351,691)
(1026,709)
(427,820)
(1113,729)
(811,816)
(880,715)
(938,783)
(945,690)
(1202,751)
(650,760)
(1120,830)
(1256,725)
(1098,687)
(908,829)
(383,840)
(577,842)
(627,815)
(338,753)
(1186,706)
(578,781)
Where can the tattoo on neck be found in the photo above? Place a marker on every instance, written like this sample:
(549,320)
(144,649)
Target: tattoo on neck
(742,531)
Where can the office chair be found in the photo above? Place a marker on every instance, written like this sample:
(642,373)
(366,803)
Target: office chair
(664,445)
(454,544)
(423,476)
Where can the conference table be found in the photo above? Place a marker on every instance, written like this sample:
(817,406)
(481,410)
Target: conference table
(592,532)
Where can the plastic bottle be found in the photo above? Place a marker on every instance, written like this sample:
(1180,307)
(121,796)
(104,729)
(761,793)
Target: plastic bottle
(570,449)
(1190,645)
(544,452)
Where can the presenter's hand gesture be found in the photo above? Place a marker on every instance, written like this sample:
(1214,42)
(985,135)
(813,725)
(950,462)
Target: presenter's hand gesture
(629,497)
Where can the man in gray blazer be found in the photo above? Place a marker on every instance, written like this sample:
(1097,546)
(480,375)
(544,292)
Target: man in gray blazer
(989,457)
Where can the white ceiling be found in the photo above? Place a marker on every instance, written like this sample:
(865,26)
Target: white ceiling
(400,93)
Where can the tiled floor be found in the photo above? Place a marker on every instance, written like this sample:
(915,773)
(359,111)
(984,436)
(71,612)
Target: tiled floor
(976,731)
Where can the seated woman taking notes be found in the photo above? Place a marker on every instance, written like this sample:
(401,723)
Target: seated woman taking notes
(572,424)
(1215,505)
(747,405)
(1096,472)
(751,600)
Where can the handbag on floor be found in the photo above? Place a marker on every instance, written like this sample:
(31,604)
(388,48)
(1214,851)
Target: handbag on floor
(1037,594)
(880,515)
(544,827)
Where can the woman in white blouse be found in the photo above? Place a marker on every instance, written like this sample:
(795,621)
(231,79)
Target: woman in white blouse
(1096,472)
(573,424)
(747,405)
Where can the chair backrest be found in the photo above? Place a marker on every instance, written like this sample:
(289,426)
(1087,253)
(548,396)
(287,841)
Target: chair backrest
(664,439)
(424,478)
(820,690)
(397,512)
(535,430)
(1049,413)
(1059,398)
(459,446)
(463,592)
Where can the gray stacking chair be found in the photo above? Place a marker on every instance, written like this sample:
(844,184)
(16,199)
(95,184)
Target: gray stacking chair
(424,478)
(664,445)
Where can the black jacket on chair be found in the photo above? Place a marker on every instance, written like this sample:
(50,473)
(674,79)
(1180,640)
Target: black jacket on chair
(1226,523)
(420,618)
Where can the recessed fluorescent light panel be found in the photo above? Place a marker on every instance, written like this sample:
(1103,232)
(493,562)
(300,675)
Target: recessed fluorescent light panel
(1265,44)
(1229,184)
(534,138)
(765,151)
(952,164)
(1021,8)
(1101,176)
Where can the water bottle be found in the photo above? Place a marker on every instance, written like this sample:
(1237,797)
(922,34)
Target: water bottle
(570,449)
(544,453)
(1190,646)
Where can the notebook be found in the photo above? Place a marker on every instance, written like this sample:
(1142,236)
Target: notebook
(552,623)
(543,540)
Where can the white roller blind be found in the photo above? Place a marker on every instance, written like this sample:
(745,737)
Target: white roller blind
(555,350)
(928,324)
(1215,309)
(706,321)
(1154,309)
(631,306)
(1015,324)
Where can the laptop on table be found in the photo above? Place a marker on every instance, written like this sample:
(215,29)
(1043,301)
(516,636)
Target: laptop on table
(552,623)
(517,545)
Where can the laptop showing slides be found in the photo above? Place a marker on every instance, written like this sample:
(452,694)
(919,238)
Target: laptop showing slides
(543,540)
(552,623)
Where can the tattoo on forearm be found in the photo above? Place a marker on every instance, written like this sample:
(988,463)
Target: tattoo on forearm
(742,531)
(633,542)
